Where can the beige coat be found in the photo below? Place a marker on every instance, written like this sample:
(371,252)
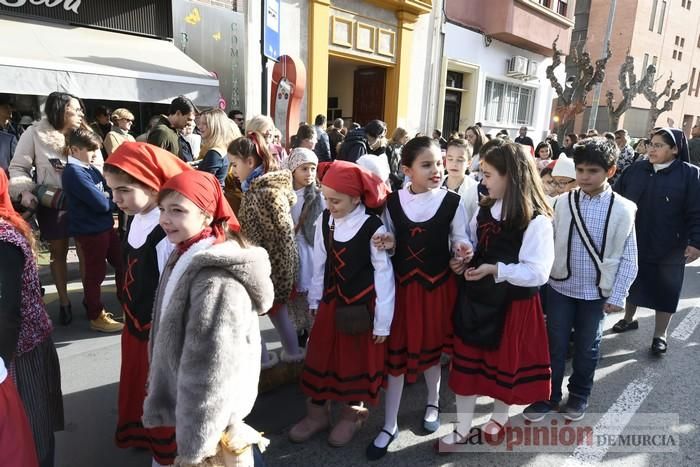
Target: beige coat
(115,138)
(40,143)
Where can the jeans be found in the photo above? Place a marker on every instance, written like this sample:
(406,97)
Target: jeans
(586,318)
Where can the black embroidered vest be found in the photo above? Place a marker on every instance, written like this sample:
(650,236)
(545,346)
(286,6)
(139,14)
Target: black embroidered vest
(140,283)
(423,248)
(349,273)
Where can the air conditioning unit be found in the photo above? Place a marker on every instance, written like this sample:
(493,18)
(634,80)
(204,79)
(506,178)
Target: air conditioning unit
(517,67)
(532,66)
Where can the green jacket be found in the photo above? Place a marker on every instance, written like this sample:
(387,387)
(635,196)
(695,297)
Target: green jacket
(165,136)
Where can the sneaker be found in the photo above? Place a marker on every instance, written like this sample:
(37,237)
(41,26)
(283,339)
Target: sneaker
(575,409)
(105,323)
(537,411)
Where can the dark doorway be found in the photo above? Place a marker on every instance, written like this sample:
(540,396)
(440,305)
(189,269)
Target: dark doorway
(368,95)
(450,119)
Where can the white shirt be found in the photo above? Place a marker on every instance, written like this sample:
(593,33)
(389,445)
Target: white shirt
(76,161)
(536,255)
(345,229)
(141,226)
(3,370)
(306,251)
(422,207)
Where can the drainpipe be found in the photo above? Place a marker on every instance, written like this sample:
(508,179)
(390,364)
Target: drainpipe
(437,43)
(596,95)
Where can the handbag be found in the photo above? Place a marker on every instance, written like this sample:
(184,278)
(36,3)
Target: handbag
(354,319)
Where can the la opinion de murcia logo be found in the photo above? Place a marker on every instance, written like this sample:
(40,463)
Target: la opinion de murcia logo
(68,5)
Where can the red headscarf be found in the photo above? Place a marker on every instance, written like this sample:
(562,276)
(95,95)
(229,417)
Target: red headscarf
(7,211)
(204,190)
(148,164)
(351,179)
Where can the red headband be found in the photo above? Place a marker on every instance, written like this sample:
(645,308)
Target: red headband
(148,164)
(204,190)
(351,179)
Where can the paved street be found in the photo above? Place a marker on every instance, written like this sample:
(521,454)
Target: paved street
(628,379)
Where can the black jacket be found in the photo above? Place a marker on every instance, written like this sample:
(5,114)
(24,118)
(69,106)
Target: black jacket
(354,146)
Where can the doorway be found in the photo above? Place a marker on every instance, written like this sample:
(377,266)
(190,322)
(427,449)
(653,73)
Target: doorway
(369,90)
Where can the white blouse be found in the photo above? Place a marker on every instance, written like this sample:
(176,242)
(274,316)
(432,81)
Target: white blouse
(141,226)
(422,207)
(345,229)
(306,251)
(536,255)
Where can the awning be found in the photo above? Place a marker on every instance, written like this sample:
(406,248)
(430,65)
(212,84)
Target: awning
(39,58)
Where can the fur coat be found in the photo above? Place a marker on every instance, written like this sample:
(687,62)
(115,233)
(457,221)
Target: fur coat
(205,344)
(266,220)
(37,145)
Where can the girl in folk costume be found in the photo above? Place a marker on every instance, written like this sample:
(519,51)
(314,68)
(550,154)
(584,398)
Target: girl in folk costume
(205,338)
(266,220)
(26,347)
(135,173)
(353,291)
(500,347)
(302,163)
(428,223)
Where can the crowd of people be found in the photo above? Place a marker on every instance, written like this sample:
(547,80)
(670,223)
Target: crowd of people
(374,258)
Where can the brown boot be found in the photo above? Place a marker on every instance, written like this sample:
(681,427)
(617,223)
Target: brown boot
(351,419)
(317,419)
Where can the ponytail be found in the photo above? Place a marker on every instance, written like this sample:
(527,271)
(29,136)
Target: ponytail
(254,145)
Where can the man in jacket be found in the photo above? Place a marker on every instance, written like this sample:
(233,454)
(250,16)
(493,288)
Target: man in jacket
(8,134)
(323,146)
(336,136)
(166,132)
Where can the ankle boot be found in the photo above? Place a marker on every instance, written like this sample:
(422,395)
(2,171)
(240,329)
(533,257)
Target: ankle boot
(351,419)
(317,419)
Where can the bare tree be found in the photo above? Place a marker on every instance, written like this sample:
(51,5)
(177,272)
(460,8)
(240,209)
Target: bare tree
(630,88)
(653,97)
(572,98)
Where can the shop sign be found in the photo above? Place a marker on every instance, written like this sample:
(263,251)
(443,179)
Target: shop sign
(68,5)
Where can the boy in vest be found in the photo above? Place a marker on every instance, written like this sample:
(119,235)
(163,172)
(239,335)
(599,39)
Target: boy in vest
(595,264)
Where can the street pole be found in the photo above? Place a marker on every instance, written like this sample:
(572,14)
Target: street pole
(596,95)
(263,85)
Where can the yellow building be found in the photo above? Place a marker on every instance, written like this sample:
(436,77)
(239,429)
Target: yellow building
(364,59)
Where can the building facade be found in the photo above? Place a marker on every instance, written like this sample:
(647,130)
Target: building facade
(364,59)
(665,33)
(495,56)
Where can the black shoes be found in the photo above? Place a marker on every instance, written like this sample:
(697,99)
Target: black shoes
(375,453)
(624,326)
(658,346)
(65,314)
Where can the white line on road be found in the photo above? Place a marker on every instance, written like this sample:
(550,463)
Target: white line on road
(687,327)
(621,412)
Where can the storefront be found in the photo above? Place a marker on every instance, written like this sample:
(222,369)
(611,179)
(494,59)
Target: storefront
(117,51)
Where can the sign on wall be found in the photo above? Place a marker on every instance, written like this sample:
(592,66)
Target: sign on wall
(145,17)
(271,33)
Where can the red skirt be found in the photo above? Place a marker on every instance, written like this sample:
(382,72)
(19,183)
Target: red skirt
(341,367)
(422,327)
(132,391)
(16,441)
(518,372)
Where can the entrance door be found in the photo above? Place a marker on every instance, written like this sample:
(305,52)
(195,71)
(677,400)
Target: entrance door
(450,119)
(368,95)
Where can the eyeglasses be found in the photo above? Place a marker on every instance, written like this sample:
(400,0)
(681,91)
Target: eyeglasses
(560,184)
(238,119)
(657,145)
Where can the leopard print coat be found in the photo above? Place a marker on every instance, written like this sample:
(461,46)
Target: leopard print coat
(266,220)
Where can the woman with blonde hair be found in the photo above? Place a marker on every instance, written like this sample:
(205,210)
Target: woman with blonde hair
(218,131)
(122,119)
(264,125)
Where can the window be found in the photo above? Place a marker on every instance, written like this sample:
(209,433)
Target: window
(645,64)
(683,3)
(680,55)
(692,81)
(562,7)
(662,17)
(454,79)
(547,3)
(678,40)
(675,54)
(653,15)
(682,41)
(507,103)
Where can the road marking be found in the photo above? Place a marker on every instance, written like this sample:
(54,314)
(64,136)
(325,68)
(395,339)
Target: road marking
(621,412)
(687,327)
(615,419)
